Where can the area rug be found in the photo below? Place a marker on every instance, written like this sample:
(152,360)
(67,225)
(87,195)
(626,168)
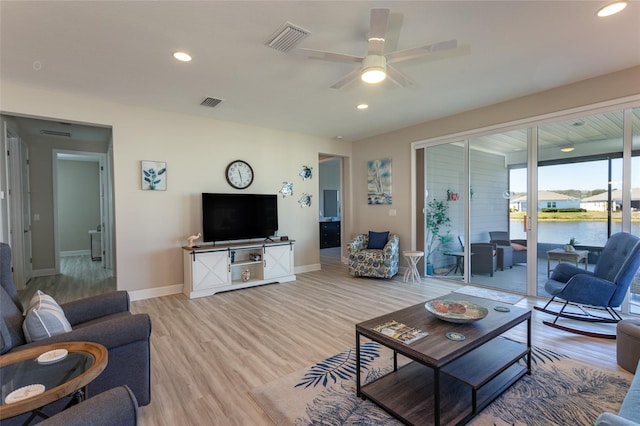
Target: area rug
(560,391)
(487,293)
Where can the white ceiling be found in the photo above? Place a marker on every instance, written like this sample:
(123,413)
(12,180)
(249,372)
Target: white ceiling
(121,51)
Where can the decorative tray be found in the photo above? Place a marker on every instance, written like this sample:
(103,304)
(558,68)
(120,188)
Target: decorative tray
(458,311)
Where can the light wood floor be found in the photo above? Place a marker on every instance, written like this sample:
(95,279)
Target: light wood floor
(208,353)
(79,277)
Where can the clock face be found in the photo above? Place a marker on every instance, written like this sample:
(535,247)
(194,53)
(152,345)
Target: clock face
(239,174)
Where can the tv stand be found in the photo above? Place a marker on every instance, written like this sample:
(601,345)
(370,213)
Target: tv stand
(210,269)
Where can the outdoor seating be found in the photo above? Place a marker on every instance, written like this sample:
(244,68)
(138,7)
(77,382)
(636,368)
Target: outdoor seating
(517,249)
(603,289)
(484,259)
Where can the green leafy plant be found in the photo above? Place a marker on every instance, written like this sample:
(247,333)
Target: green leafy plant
(573,242)
(438,222)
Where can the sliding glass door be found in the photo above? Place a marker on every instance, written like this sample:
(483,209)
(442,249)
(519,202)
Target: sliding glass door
(579,187)
(498,179)
(525,192)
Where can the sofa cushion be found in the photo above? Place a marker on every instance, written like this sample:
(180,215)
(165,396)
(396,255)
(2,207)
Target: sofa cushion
(44,318)
(377,240)
(518,247)
(11,329)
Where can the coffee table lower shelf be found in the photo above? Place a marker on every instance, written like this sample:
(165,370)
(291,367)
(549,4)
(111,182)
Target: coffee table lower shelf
(408,392)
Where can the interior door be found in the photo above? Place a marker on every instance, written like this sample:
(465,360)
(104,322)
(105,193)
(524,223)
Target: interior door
(18,233)
(27,267)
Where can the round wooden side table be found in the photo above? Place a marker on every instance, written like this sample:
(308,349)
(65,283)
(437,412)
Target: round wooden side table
(413,257)
(70,375)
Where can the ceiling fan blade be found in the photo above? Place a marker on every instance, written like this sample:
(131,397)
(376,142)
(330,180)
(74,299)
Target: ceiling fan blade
(416,52)
(330,56)
(348,80)
(377,30)
(398,77)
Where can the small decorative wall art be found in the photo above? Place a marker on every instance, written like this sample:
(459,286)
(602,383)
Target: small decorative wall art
(287,189)
(305,200)
(306,173)
(379,182)
(154,175)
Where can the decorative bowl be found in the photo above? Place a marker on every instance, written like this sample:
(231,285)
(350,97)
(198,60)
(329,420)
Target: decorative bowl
(458,311)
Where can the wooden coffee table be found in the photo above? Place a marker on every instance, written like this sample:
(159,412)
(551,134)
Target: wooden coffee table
(447,381)
(84,362)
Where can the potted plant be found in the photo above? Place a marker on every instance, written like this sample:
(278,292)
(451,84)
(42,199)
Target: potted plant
(571,246)
(437,233)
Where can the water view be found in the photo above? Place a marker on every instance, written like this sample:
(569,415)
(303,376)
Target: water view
(586,233)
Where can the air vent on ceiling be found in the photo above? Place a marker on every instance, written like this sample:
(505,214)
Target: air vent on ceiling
(210,102)
(56,133)
(287,37)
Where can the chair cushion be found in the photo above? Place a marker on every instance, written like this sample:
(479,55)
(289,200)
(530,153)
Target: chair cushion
(518,247)
(377,240)
(44,318)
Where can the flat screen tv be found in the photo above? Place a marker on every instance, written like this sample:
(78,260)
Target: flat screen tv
(227,217)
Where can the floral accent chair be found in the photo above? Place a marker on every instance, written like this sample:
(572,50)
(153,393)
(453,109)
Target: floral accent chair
(374,255)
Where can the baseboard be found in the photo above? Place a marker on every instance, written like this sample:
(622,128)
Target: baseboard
(150,293)
(307,268)
(75,253)
(43,272)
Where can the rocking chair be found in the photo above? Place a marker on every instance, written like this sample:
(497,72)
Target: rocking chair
(603,289)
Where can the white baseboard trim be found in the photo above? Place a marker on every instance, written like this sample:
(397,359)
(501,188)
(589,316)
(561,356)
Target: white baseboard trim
(75,253)
(177,288)
(43,272)
(307,268)
(150,293)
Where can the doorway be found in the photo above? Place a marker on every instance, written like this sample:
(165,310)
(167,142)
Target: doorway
(48,143)
(330,206)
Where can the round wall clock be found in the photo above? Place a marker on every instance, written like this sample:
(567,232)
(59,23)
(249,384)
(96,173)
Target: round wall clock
(239,174)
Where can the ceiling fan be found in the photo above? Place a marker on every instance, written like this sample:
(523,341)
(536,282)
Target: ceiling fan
(377,66)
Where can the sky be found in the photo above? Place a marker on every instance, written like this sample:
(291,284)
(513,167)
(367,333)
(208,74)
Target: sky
(581,176)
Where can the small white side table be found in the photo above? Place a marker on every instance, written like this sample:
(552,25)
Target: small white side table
(413,257)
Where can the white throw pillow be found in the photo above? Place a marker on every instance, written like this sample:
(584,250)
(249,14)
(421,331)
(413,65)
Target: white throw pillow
(44,318)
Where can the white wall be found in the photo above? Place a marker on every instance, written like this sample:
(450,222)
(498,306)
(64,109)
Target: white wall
(397,144)
(78,203)
(151,226)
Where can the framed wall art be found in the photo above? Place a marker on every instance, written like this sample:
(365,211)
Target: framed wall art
(154,175)
(379,181)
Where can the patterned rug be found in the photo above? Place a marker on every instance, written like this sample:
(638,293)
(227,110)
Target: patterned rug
(487,293)
(560,391)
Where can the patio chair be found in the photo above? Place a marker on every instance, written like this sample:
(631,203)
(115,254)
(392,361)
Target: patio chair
(484,259)
(516,250)
(603,289)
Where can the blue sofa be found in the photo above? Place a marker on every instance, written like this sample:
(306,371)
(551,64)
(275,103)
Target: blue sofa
(104,319)
(629,414)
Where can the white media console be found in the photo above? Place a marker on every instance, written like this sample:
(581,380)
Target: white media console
(214,268)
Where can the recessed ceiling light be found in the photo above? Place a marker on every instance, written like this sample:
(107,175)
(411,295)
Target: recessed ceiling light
(362,106)
(567,148)
(612,8)
(182,56)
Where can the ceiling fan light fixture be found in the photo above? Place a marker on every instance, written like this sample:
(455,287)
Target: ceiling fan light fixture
(374,69)
(612,8)
(182,56)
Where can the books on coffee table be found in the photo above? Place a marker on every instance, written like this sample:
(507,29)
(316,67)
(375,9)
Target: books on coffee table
(400,331)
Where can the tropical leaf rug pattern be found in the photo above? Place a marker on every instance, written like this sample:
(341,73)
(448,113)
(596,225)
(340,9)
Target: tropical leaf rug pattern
(560,391)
